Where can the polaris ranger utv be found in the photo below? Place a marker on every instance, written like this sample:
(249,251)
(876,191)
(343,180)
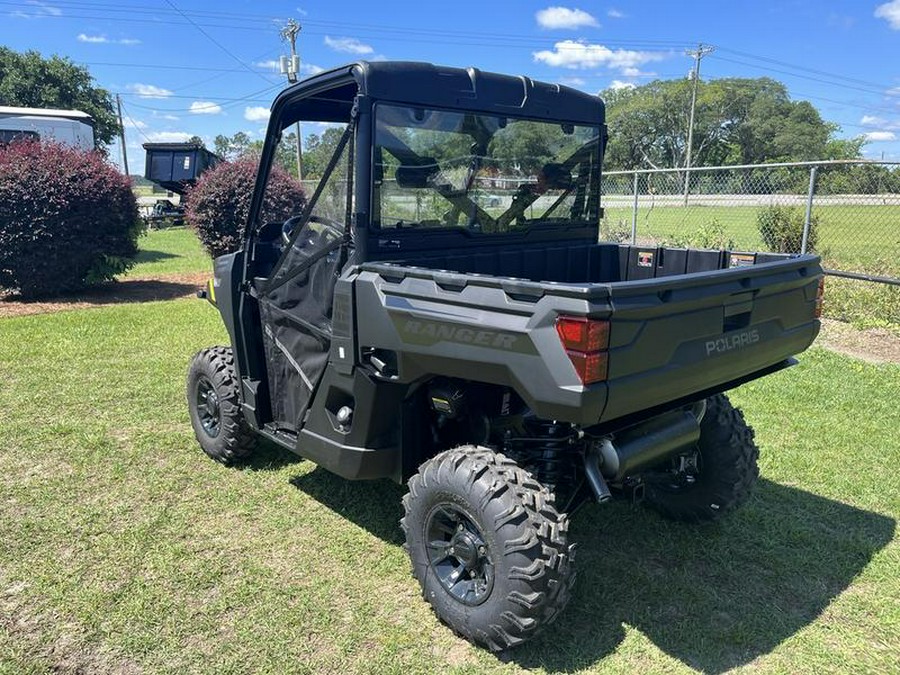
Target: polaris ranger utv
(439,311)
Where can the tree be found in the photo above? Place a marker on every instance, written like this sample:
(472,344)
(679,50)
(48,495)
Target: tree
(318,150)
(32,81)
(231,147)
(197,141)
(737,121)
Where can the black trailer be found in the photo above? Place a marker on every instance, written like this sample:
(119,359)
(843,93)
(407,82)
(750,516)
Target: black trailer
(177,166)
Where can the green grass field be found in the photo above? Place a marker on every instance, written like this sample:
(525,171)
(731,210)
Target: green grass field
(174,250)
(124,549)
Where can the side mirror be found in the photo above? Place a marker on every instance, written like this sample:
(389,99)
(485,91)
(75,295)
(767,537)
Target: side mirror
(416,176)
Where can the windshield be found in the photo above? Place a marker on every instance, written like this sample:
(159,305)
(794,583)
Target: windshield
(484,173)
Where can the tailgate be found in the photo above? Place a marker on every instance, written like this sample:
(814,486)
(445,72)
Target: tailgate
(673,337)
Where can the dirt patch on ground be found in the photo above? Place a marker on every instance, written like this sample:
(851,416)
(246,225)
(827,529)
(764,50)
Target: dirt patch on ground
(874,345)
(127,290)
(53,643)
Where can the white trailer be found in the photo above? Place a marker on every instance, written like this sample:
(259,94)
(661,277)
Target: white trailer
(68,127)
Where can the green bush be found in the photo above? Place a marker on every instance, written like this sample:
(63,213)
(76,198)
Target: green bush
(68,218)
(218,206)
(781,228)
(710,235)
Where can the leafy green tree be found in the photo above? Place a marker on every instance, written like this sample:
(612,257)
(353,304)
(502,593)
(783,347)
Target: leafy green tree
(736,121)
(239,145)
(231,147)
(317,151)
(29,80)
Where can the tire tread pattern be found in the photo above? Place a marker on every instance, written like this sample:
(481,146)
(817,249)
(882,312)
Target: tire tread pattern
(728,473)
(236,439)
(529,525)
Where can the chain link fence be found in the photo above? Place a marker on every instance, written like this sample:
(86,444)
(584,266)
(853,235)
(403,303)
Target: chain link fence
(848,212)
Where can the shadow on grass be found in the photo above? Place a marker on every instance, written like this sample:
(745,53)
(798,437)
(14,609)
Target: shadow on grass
(715,596)
(145,256)
(374,505)
(269,456)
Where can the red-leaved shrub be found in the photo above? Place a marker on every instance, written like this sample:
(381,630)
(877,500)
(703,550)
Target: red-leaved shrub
(218,206)
(68,218)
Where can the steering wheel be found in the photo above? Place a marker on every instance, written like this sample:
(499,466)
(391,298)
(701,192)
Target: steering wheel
(287,230)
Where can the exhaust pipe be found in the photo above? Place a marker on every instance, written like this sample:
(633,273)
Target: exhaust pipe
(644,445)
(599,488)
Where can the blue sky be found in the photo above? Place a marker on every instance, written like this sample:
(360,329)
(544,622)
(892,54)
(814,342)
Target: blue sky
(186,67)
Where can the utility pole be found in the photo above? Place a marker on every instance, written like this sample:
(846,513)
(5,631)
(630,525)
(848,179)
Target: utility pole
(122,135)
(290,66)
(701,51)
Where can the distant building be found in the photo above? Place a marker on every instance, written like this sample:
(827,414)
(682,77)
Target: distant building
(68,127)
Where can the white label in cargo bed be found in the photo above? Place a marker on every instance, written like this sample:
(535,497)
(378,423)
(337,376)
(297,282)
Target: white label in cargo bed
(729,342)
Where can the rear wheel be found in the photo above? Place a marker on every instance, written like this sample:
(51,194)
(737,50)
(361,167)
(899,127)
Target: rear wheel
(215,408)
(714,477)
(487,546)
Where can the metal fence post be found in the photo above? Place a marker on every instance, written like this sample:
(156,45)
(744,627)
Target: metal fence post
(809,205)
(634,211)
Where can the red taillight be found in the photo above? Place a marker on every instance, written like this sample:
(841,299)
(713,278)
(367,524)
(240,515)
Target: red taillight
(585,341)
(583,334)
(590,367)
(820,297)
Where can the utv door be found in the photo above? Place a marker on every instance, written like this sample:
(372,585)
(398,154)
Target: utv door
(296,302)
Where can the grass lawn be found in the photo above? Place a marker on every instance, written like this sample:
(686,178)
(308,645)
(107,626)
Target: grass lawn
(123,549)
(171,251)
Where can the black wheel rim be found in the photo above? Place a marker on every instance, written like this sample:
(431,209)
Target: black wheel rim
(208,410)
(458,554)
(683,474)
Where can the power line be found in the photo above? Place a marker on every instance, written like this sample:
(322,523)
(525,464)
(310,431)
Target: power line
(227,102)
(214,41)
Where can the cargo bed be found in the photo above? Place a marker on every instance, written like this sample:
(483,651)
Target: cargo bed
(674,335)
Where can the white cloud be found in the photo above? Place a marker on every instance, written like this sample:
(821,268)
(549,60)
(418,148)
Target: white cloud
(876,136)
(271,64)
(890,12)
(348,45)
(149,91)
(102,40)
(311,69)
(573,81)
(615,85)
(872,121)
(578,54)
(614,13)
(256,113)
(563,17)
(36,10)
(169,136)
(893,92)
(135,124)
(205,108)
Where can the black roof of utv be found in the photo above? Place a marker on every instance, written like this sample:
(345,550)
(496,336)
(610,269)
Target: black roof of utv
(425,84)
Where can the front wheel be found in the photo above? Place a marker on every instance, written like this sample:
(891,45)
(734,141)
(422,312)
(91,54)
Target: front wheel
(714,477)
(215,407)
(487,546)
